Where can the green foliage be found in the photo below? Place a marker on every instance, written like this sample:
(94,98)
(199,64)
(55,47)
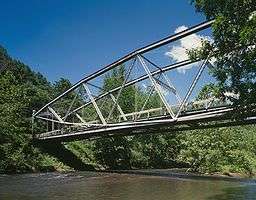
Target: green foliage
(214,150)
(83,150)
(220,150)
(209,91)
(155,151)
(234,34)
(72,98)
(135,151)
(21,91)
(114,152)
(114,79)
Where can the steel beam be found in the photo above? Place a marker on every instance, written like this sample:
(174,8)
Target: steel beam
(166,68)
(69,109)
(156,86)
(142,50)
(80,118)
(122,87)
(118,107)
(94,104)
(171,87)
(163,123)
(192,86)
(55,114)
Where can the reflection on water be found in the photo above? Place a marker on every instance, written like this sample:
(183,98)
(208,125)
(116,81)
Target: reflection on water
(100,186)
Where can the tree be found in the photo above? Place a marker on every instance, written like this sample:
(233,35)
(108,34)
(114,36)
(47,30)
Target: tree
(21,91)
(115,152)
(234,34)
(220,150)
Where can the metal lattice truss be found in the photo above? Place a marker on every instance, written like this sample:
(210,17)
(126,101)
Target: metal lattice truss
(133,95)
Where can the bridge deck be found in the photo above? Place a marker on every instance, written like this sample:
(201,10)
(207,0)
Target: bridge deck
(216,117)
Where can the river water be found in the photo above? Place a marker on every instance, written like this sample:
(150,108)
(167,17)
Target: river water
(104,186)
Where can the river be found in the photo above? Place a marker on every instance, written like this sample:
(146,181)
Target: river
(104,186)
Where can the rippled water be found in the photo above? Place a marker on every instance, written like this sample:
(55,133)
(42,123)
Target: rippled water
(103,186)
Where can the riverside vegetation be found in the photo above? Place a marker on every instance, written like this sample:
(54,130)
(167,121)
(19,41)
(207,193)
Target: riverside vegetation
(223,150)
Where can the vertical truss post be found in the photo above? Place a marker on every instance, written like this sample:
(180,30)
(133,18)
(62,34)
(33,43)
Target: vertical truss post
(135,102)
(192,86)
(156,86)
(94,104)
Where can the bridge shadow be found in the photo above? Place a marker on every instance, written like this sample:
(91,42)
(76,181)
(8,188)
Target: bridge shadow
(64,155)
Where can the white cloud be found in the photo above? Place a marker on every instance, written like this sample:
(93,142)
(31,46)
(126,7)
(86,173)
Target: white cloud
(178,52)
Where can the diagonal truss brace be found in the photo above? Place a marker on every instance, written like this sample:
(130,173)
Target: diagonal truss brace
(114,100)
(94,104)
(141,78)
(80,118)
(118,107)
(139,51)
(122,87)
(69,109)
(55,114)
(192,86)
(156,86)
(169,85)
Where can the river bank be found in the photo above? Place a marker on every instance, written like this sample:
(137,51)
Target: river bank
(183,173)
(172,172)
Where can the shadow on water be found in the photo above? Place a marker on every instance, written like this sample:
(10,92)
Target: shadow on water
(243,192)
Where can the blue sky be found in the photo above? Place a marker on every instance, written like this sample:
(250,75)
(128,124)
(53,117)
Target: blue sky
(71,39)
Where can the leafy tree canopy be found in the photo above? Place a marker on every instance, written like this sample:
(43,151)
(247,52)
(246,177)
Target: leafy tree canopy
(234,34)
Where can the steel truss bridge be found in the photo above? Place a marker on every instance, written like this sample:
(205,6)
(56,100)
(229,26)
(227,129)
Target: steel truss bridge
(91,108)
